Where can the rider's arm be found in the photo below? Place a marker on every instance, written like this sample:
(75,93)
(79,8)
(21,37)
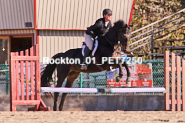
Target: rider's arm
(110,24)
(90,30)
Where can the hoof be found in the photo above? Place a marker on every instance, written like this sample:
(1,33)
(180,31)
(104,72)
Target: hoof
(118,79)
(60,108)
(55,107)
(128,82)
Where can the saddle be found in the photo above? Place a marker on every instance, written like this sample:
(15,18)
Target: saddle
(95,46)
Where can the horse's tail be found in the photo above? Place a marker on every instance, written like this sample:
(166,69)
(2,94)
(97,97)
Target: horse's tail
(46,76)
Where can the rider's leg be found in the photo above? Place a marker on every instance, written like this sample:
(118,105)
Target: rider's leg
(86,54)
(89,43)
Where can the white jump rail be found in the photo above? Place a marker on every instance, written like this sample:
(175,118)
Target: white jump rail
(105,90)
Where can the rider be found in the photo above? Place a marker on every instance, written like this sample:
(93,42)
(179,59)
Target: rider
(100,28)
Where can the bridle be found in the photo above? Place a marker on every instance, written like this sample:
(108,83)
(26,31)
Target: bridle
(117,47)
(113,44)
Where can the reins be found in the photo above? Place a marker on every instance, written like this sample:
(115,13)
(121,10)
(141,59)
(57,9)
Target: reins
(111,43)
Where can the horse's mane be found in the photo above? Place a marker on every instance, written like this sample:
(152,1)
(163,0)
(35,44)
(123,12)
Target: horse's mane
(119,23)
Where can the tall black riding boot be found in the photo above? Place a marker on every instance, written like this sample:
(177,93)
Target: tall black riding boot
(86,54)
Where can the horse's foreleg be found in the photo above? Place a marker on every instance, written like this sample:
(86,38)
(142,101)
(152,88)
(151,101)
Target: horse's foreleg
(70,79)
(120,69)
(118,78)
(128,80)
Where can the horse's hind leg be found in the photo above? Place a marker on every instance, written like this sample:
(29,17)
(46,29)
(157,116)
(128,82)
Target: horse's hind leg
(70,79)
(61,75)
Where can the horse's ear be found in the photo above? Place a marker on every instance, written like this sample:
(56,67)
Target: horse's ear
(126,25)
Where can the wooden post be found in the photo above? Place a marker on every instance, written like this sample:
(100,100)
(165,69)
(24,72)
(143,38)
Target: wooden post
(178,84)
(166,80)
(17,77)
(183,85)
(37,76)
(27,77)
(173,81)
(32,76)
(22,77)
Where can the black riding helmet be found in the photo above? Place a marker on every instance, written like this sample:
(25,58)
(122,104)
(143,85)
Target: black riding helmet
(107,11)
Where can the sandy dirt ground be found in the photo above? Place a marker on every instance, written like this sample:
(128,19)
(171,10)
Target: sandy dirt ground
(92,117)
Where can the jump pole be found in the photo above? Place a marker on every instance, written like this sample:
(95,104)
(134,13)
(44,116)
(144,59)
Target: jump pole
(105,90)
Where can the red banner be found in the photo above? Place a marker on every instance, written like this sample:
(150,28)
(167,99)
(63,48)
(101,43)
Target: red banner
(141,76)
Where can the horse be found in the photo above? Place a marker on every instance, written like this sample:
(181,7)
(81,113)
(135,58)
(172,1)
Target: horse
(117,35)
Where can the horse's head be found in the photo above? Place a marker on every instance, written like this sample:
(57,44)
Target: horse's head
(123,33)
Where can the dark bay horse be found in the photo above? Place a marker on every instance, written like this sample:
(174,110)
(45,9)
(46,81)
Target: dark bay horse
(120,32)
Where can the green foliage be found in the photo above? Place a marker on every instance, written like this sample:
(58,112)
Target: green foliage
(148,11)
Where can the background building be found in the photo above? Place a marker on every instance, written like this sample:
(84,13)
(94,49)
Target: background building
(56,25)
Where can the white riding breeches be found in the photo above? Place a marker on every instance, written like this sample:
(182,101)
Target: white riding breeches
(89,41)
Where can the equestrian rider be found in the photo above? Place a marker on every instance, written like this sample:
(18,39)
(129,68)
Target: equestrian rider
(100,28)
